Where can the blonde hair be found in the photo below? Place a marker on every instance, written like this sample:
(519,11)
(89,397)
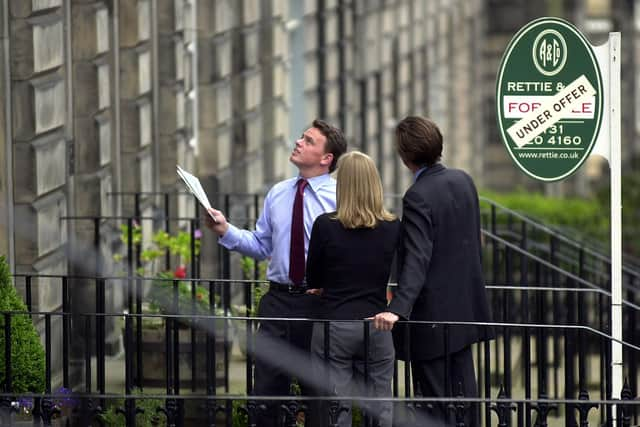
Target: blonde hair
(359,192)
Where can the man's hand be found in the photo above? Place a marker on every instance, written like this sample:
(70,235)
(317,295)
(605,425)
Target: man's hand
(221,226)
(384,321)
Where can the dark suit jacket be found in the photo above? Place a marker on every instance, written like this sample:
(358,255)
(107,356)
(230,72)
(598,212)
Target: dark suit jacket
(440,265)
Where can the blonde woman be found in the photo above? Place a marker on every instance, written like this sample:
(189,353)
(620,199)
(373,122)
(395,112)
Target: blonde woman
(349,259)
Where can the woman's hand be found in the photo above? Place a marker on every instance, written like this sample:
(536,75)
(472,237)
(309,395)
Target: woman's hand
(384,321)
(315,291)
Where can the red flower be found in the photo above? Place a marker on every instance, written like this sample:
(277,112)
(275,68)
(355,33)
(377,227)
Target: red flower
(180,273)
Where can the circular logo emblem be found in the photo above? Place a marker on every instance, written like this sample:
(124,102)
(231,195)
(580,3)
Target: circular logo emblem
(549,52)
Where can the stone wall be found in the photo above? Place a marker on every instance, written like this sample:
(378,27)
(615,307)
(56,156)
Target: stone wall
(417,58)
(39,118)
(135,87)
(38,148)
(107,96)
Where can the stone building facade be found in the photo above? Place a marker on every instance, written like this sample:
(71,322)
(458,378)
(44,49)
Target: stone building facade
(103,97)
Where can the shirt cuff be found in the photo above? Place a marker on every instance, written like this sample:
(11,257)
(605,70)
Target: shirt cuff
(231,238)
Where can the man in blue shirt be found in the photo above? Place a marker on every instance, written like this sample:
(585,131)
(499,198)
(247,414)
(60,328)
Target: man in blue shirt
(282,233)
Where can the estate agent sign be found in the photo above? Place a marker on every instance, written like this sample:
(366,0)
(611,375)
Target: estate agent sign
(549,99)
(554,94)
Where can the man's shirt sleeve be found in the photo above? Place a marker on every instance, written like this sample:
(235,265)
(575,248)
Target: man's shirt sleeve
(256,244)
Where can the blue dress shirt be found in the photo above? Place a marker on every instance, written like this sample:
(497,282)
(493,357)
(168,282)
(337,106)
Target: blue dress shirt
(272,236)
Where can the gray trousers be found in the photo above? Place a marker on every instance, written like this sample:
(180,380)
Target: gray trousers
(342,374)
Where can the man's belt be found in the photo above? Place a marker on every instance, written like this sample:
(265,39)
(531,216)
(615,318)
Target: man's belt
(288,287)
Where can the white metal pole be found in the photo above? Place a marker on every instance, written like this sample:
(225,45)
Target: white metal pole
(616,217)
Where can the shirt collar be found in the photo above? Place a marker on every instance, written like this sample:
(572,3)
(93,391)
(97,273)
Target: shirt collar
(315,182)
(418,173)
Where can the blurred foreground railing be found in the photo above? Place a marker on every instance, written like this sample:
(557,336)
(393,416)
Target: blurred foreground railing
(514,365)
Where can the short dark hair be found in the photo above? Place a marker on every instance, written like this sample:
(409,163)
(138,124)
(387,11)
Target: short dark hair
(336,143)
(418,141)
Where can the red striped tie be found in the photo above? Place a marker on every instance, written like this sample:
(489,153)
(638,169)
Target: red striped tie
(296,254)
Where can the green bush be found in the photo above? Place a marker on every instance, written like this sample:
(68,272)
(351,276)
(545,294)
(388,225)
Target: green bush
(630,211)
(27,353)
(581,218)
(161,292)
(148,418)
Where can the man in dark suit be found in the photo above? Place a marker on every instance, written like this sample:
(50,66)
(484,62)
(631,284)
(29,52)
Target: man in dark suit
(440,272)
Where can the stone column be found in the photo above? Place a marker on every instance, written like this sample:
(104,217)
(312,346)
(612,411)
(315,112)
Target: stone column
(214,52)
(92,114)
(623,21)
(39,146)
(215,23)
(504,19)
(38,139)
(367,62)
(240,75)
(136,109)
(274,51)
(175,30)
(249,145)
(93,167)
(6,152)
(461,93)
(389,44)
(475,18)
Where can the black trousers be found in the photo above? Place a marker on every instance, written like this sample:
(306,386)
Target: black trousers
(429,381)
(282,351)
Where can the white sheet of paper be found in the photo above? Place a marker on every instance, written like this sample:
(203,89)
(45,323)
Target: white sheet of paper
(195,188)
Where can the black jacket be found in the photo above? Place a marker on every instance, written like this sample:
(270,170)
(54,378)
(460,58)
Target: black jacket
(440,265)
(352,266)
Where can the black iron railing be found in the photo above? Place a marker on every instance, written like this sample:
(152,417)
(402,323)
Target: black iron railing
(540,304)
(585,259)
(494,378)
(552,345)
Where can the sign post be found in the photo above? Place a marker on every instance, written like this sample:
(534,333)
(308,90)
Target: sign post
(558,101)
(615,163)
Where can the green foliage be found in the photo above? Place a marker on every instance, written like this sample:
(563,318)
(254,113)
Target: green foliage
(630,211)
(148,418)
(248,266)
(27,353)
(136,234)
(239,417)
(584,218)
(179,245)
(161,294)
(248,272)
(356,416)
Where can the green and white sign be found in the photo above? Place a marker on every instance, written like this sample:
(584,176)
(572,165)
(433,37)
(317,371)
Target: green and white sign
(549,99)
